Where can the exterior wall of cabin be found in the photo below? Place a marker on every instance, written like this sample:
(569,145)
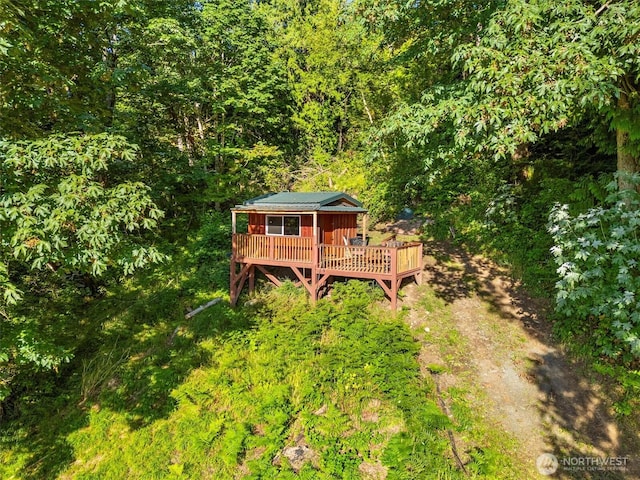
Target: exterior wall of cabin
(306,225)
(258,221)
(334,227)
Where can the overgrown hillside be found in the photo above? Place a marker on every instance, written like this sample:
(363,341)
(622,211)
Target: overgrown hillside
(269,390)
(129,128)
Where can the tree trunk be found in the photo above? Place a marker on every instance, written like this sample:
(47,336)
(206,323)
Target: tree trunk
(627,163)
(110,59)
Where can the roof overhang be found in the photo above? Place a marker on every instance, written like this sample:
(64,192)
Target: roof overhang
(297,211)
(303,202)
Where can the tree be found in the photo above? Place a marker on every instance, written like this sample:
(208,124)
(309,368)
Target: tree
(195,85)
(416,142)
(537,67)
(64,208)
(336,75)
(56,72)
(423,36)
(203,96)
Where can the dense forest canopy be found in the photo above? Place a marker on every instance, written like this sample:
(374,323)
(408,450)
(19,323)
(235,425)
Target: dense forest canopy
(123,124)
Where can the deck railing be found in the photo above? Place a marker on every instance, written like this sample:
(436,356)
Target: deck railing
(370,259)
(355,259)
(275,248)
(409,257)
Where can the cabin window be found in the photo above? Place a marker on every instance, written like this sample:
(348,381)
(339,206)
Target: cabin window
(283,225)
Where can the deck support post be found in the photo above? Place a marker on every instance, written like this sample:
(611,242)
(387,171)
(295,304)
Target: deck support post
(269,275)
(233,222)
(315,258)
(365,217)
(313,288)
(303,280)
(391,290)
(388,289)
(232,284)
(396,288)
(237,281)
(233,297)
(421,266)
(395,282)
(322,281)
(252,278)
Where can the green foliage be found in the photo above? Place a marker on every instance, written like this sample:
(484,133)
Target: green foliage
(98,370)
(242,385)
(212,123)
(59,215)
(58,210)
(628,379)
(520,79)
(212,246)
(596,253)
(482,120)
(338,84)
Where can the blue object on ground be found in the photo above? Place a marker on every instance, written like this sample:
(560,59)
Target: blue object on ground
(405,214)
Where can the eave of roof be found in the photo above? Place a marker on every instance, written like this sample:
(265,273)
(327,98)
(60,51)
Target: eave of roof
(342,209)
(315,200)
(297,208)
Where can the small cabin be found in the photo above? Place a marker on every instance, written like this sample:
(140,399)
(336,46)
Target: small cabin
(293,215)
(318,236)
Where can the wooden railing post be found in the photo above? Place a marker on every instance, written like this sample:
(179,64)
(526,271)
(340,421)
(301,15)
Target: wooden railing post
(394,277)
(420,265)
(232,272)
(234,246)
(394,261)
(315,257)
(314,274)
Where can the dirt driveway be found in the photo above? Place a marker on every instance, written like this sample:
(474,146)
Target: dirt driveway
(493,339)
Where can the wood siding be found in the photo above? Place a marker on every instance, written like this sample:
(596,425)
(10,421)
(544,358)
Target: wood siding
(257,222)
(335,227)
(306,225)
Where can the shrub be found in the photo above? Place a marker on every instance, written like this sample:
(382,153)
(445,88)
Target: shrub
(597,256)
(211,250)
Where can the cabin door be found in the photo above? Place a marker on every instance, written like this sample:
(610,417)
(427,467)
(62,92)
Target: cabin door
(327,229)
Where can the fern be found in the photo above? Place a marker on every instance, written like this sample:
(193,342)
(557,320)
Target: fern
(589,192)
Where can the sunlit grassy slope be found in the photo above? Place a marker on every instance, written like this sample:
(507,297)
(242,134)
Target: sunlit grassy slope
(228,393)
(336,379)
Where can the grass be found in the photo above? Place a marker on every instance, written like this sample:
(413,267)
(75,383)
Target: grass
(223,395)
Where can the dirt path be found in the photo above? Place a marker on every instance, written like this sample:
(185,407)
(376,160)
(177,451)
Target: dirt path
(494,340)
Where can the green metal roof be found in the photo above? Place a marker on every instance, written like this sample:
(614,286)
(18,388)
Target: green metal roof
(303,201)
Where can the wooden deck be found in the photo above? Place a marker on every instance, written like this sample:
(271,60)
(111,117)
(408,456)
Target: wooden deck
(285,250)
(387,265)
